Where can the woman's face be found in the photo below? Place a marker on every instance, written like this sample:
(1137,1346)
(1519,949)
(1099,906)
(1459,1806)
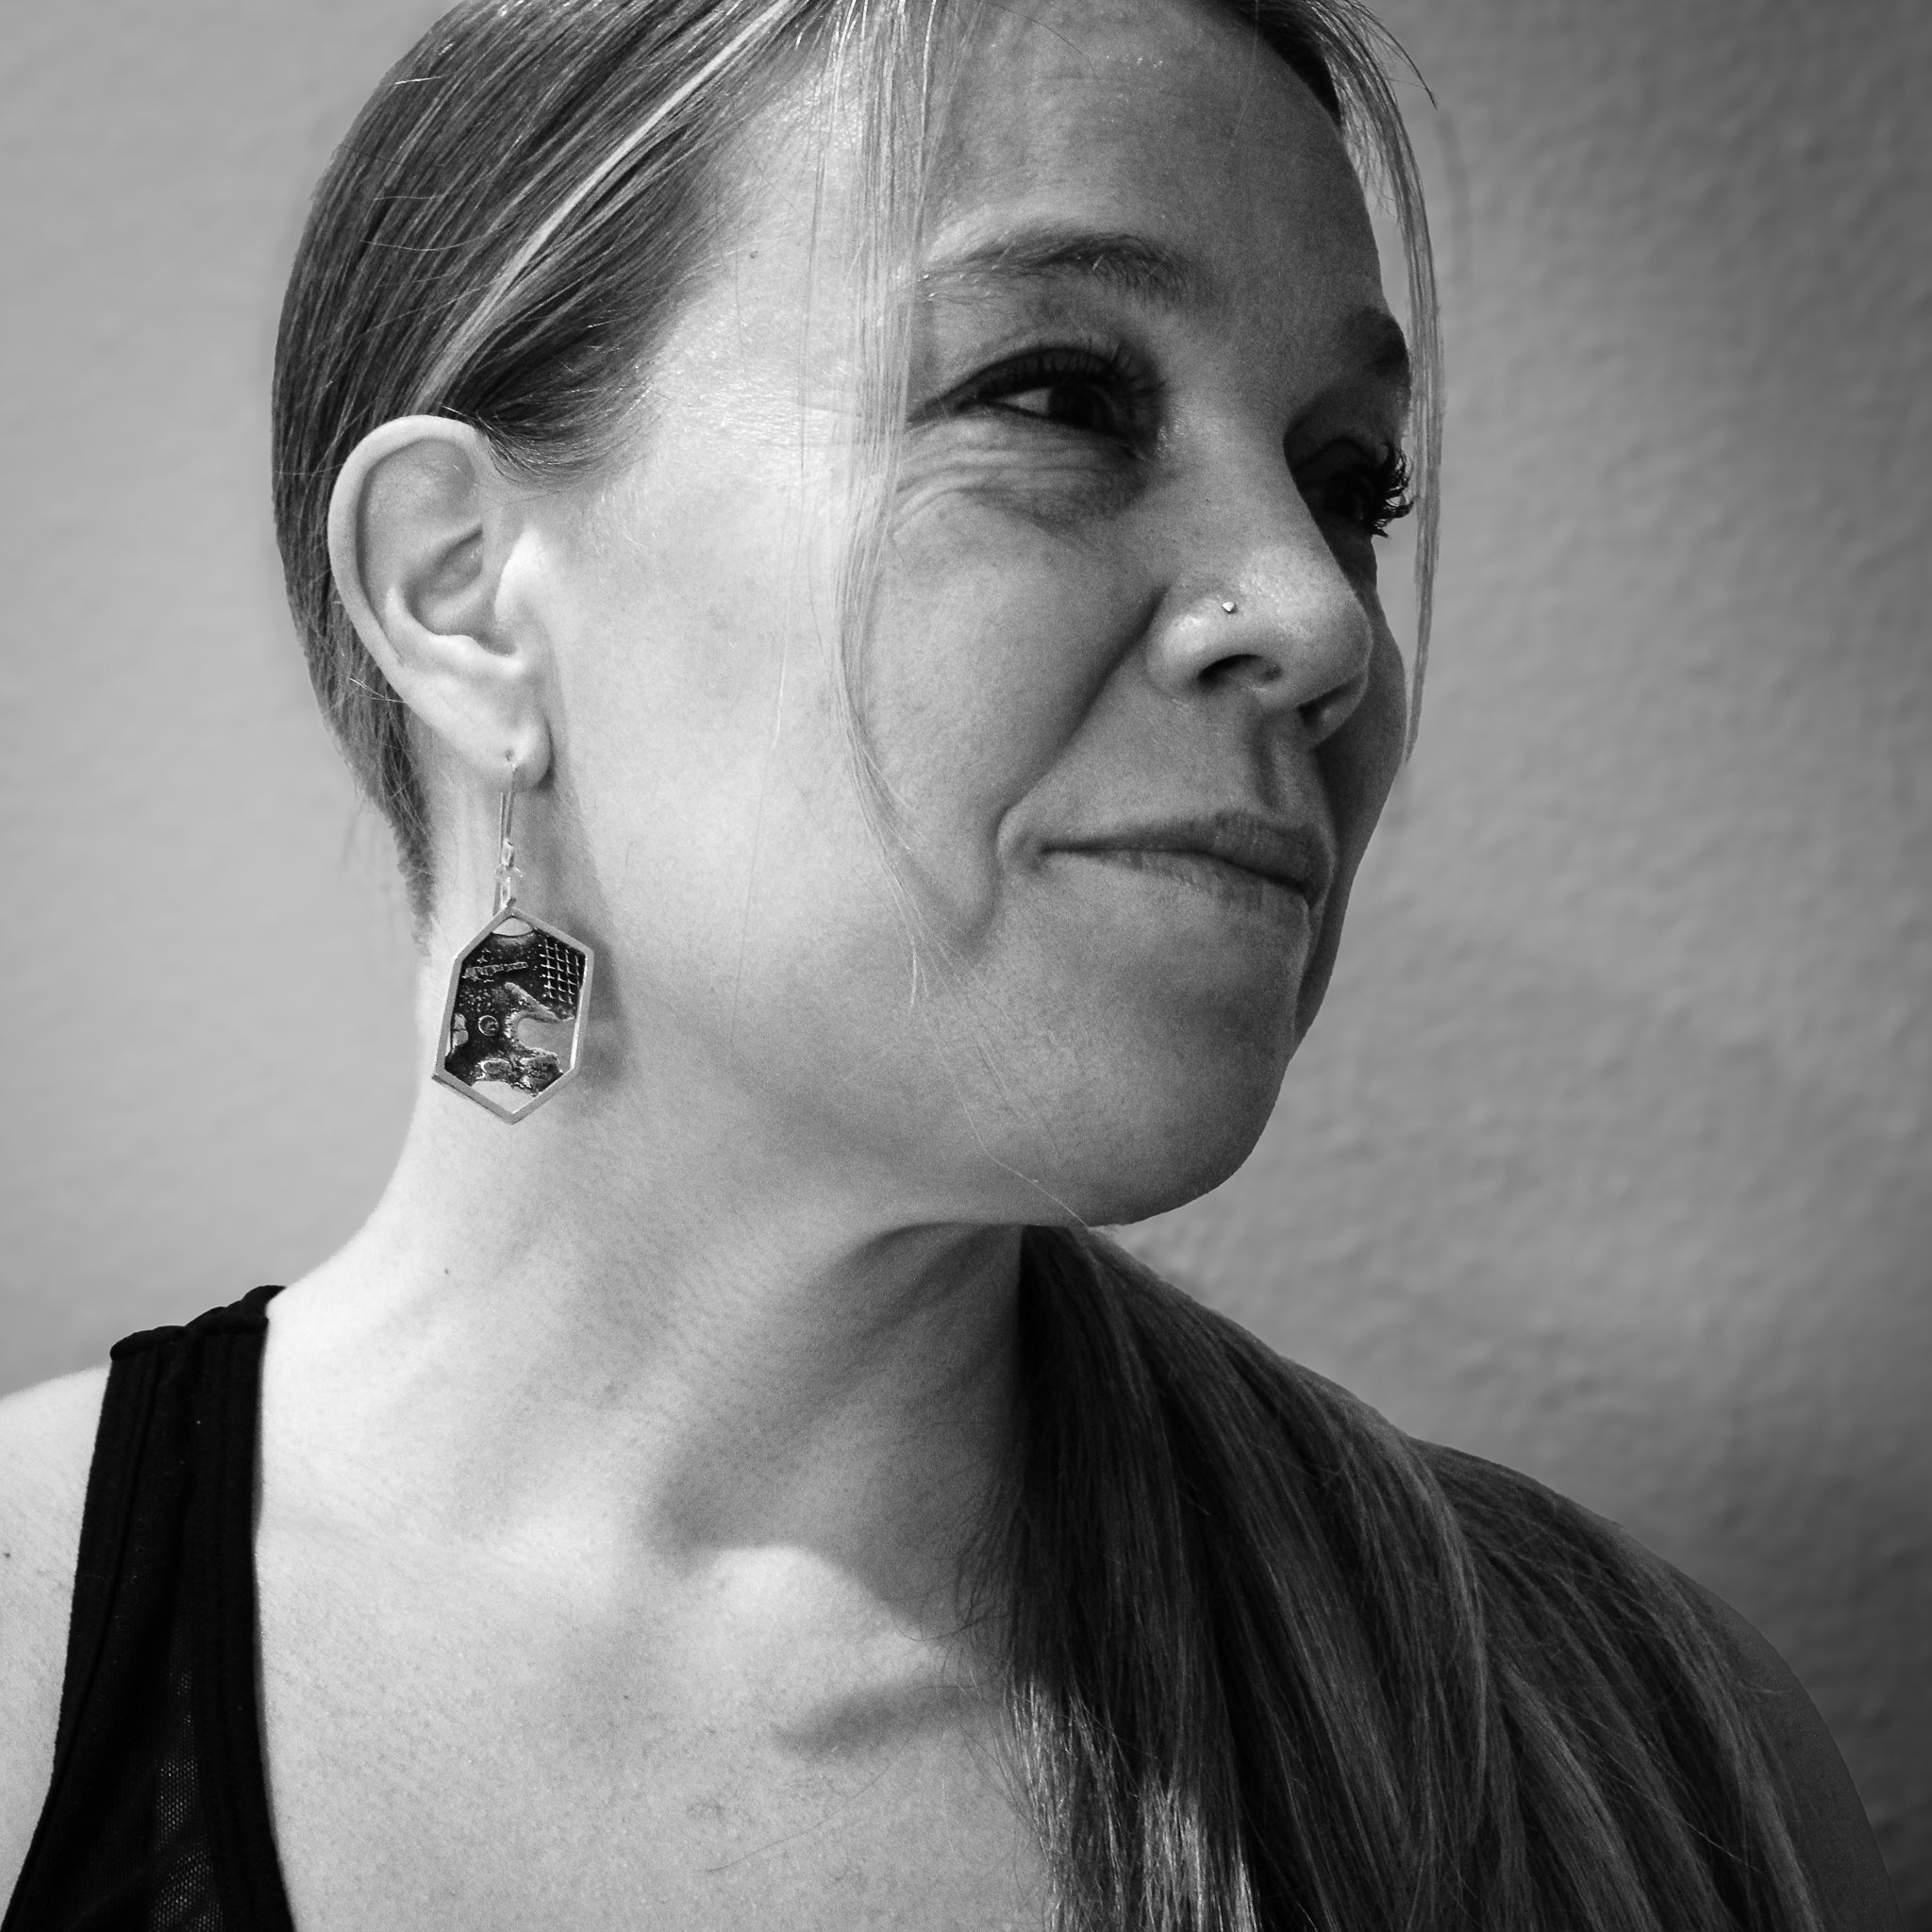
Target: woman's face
(1126,690)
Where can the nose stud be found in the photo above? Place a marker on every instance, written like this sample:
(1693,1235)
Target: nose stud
(1227,605)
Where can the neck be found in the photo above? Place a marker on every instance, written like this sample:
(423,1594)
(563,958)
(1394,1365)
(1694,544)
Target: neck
(658,1339)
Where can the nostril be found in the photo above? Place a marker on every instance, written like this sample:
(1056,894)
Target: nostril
(1323,717)
(1249,668)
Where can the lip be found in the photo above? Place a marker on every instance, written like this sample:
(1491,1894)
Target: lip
(1297,857)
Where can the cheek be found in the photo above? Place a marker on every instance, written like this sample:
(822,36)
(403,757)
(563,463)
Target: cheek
(1361,762)
(704,739)
(991,643)
(1358,766)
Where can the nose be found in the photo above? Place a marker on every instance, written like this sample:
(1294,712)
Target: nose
(1260,604)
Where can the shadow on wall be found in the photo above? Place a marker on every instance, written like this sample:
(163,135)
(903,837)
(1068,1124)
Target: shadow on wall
(1523,1213)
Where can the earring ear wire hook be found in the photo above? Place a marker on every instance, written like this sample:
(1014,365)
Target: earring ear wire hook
(506,850)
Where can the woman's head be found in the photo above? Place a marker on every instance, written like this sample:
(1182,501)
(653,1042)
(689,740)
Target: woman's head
(931,553)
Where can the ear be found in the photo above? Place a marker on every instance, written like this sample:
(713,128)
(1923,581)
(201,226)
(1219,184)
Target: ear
(421,526)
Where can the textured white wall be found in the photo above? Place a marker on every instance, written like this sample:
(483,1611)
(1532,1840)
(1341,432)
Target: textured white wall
(1612,1154)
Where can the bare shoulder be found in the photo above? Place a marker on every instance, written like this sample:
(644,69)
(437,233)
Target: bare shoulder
(46,1447)
(1833,1832)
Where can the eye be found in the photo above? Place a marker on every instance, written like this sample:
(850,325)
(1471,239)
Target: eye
(1353,486)
(1083,390)
(1074,403)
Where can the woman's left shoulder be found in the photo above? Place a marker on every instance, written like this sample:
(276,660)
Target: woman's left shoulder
(1828,1818)
(1537,1533)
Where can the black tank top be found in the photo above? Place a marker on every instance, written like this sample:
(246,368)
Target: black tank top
(156,1819)
(158,1816)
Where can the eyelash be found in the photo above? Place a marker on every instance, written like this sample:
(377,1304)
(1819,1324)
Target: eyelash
(1380,490)
(1384,492)
(1113,370)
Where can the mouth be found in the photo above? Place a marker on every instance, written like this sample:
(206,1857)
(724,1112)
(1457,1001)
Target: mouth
(1244,859)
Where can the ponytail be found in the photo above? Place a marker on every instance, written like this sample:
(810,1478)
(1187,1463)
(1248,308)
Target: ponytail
(1274,1665)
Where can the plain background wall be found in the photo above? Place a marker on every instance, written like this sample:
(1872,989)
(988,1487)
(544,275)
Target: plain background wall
(1610,1157)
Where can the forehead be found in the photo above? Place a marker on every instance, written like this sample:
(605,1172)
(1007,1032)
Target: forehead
(1169,119)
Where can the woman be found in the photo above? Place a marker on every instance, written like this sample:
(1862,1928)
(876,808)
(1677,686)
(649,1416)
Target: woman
(884,505)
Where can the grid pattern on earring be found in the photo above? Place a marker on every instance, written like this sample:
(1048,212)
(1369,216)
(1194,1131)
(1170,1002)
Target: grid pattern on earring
(514,1019)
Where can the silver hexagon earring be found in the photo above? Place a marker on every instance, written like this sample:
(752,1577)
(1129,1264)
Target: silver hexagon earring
(513,1022)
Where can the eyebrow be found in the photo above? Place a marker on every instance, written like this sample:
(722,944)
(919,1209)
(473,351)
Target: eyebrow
(1127,264)
(1159,277)
(1373,339)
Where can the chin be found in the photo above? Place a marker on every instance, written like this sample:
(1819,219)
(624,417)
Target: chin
(1147,1148)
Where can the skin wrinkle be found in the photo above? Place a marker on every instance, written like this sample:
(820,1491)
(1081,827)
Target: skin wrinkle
(984,1045)
(752,865)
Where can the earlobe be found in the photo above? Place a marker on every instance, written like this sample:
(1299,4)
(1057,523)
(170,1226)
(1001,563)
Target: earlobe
(420,526)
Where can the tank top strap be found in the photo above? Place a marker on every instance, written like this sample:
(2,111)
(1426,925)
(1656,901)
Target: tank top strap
(156,1817)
